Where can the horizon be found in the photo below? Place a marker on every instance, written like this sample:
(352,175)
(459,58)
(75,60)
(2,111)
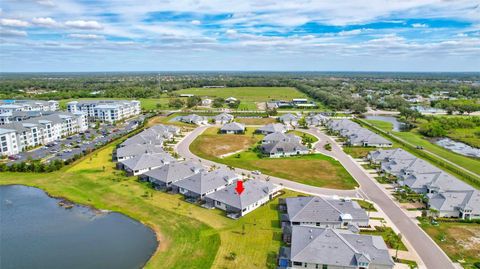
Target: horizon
(215,36)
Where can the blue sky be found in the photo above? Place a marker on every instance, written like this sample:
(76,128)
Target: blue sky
(125,35)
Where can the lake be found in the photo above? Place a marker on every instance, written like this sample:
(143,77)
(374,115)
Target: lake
(397,125)
(38,233)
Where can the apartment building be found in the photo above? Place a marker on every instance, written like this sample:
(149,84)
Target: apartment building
(8,106)
(106,110)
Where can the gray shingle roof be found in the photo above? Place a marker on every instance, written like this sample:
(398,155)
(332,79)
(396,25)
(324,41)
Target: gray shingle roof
(174,171)
(138,149)
(233,126)
(204,182)
(337,247)
(147,160)
(255,190)
(223,117)
(318,209)
(283,147)
(273,127)
(278,136)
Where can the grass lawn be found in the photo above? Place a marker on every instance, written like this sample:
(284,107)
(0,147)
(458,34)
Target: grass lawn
(366,205)
(358,152)
(303,135)
(388,235)
(190,236)
(416,139)
(248,96)
(315,169)
(461,241)
(467,136)
(214,144)
(256,121)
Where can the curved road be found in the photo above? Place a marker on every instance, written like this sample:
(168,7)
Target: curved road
(183,149)
(431,255)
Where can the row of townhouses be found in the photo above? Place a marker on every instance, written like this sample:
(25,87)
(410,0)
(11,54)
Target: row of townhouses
(279,144)
(447,194)
(20,135)
(355,134)
(106,110)
(324,233)
(9,106)
(143,155)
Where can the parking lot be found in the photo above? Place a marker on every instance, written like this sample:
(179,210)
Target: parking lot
(66,148)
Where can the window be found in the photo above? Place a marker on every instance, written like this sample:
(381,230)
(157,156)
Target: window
(324,266)
(297,263)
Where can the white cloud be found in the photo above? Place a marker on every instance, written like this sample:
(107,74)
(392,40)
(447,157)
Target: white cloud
(12,33)
(45,21)
(352,32)
(195,22)
(48,3)
(87,36)
(13,23)
(87,25)
(419,25)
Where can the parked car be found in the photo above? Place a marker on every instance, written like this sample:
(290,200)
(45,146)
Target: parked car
(256,172)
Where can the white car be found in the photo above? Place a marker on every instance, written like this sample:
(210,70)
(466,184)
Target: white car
(256,172)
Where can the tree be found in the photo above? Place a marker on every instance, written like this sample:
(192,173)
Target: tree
(235,104)
(193,101)
(432,129)
(303,123)
(409,113)
(158,105)
(176,103)
(218,102)
(359,106)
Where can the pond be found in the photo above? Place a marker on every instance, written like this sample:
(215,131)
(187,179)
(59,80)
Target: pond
(458,147)
(36,232)
(397,125)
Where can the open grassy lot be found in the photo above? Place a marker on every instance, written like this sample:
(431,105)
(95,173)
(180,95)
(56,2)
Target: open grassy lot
(166,120)
(248,96)
(461,241)
(190,236)
(214,144)
(315,169)
(415,138)
(255,121)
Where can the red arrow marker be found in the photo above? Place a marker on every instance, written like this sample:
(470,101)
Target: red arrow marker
(239,187)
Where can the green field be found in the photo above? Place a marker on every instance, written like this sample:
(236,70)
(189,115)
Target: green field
(190,236)
(248,96)
(315,169)
(460,241)
(417,139)
(303,135)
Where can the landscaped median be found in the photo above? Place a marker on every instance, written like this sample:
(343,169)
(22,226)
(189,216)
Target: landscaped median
(314,169)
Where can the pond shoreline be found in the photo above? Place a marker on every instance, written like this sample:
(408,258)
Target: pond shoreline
(60,198)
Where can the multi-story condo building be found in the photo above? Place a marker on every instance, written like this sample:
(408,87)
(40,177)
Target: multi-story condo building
(8,142)
(106,110)
(8,106)
(40,130)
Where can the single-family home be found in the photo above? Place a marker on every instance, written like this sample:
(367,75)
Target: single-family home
(314,247)
(256,193)
(231,100)
(206,102)
(164,176)
(281,137)
(193,119)
(322,212)
(283,149)
(457,204)
(289,119)
(273,128)
(142,163)
(223,118)
(316,119)
(233,128)
(197,186)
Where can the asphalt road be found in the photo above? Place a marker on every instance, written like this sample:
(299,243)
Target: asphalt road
(182,148)
(431,255)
